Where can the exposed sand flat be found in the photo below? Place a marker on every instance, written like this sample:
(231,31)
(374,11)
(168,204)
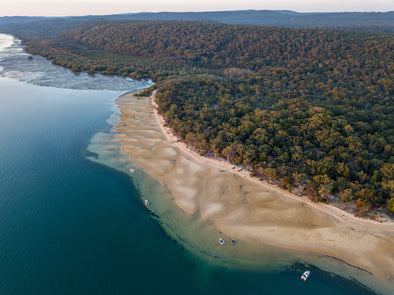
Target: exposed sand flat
(245,207)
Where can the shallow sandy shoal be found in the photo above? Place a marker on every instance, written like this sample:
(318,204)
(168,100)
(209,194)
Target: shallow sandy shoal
(244,207)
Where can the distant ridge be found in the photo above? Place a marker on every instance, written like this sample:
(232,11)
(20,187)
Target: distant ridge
(383,21)
(285,18)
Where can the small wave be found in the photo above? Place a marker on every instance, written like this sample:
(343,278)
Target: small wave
(22,76)
(14,74)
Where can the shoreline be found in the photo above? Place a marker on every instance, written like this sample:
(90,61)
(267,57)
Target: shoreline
(335,212)
(247,208)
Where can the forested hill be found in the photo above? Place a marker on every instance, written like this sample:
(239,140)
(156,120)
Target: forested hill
(375,21)
(311,109)
(217,46)
(285,18)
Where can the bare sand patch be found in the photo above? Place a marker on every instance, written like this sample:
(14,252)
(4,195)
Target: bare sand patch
(244,207)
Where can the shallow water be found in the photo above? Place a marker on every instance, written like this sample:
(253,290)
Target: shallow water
(200,237)
(70,225)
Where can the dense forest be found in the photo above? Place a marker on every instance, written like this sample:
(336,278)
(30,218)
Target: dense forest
(309,109)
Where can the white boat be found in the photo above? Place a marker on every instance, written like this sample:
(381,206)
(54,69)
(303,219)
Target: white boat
(221,242)
(305,275)
(131,170)
(146,202)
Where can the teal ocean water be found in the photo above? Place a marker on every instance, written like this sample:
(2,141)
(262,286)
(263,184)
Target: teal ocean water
(69,225)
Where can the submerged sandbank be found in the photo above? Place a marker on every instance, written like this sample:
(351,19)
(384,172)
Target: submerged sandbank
(244,208)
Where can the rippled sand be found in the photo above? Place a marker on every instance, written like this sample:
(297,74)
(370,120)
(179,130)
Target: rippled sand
(244,208)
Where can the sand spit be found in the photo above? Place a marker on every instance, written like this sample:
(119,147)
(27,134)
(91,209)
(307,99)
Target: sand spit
(244,207)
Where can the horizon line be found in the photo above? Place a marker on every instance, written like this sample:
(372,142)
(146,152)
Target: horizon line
(201,11)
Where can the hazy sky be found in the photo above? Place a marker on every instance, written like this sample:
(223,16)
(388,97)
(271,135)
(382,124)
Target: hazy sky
(84,7)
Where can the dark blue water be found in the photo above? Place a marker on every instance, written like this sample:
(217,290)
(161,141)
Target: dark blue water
(72,226)
(69,226)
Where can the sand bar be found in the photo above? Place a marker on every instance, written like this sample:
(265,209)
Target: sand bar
(245,207)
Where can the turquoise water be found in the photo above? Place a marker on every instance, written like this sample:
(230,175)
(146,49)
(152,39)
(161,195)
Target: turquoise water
(72,226)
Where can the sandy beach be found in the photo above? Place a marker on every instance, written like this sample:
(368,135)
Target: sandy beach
(244,207)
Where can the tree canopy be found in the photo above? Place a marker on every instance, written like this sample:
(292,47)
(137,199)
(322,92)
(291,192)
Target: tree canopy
(307,108)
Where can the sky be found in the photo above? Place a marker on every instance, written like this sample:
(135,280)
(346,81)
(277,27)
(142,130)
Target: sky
(100,7)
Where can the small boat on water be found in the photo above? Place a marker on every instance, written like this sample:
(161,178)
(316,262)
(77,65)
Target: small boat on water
(131,170)
(305,275)
(146,202)
(221,242)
